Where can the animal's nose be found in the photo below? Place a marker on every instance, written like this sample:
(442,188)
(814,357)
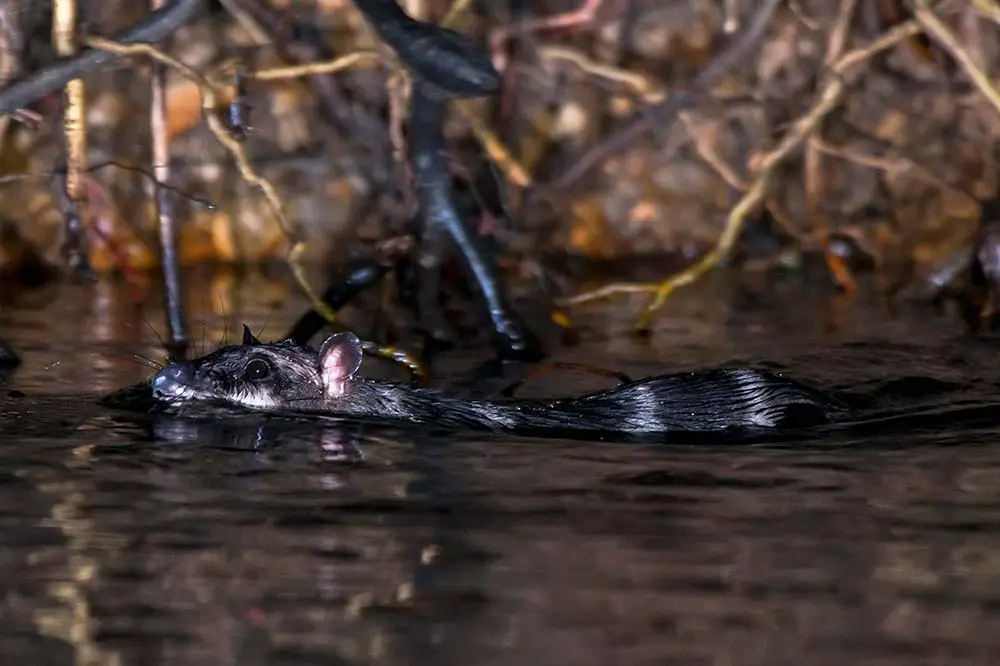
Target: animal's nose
(172,378)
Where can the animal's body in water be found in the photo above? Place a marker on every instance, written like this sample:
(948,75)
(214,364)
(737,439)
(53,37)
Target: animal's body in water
(289,377)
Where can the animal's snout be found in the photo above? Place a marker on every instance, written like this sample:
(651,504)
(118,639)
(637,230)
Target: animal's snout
(172,380)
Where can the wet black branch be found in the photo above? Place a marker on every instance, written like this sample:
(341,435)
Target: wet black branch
(54,76)
(432,181)
(356,276)
(451,62)
(444,64)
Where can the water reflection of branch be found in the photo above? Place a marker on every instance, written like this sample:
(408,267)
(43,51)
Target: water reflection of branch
(74,622)
(333,440)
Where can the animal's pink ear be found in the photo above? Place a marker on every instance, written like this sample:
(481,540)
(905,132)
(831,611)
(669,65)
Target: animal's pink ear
(339,358)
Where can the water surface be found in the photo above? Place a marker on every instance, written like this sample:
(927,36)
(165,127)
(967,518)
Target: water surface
(129,541)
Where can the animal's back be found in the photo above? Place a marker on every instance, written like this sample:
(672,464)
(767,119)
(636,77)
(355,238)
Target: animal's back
(708,400)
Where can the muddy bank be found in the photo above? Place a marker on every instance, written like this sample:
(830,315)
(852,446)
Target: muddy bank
(674,129)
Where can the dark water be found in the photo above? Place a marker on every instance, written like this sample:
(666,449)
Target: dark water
(137,542)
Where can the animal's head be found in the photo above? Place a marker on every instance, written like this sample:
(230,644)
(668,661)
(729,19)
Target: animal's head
(267,376)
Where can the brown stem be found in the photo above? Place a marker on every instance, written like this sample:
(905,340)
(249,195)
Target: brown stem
(164,209)
(75,138)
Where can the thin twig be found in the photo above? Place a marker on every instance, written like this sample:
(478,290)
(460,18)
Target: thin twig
(165,220)
(661,114)
(51,77)
(494,147)
(582,15)
(817,224)
(704,144)
(314,68)
(640,84)
(933,26)
(607,291)
(304,43)
(797,11)
(988,8)
(209,96)
(17,177)
(812,160)
(399,87)
(456,9)
(651,92)
(891,165)
(249,23)
(828,99)
(75,138)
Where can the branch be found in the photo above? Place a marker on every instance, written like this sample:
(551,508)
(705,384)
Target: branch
(52,77)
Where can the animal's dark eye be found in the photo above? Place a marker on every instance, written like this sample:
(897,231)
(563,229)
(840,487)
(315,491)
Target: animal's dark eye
(256,369)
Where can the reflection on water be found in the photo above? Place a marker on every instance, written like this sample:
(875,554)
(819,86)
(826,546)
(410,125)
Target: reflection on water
(246,541)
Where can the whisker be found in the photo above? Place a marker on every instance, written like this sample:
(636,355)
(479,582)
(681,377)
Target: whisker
(260,334)
(204,323)
(225,322)
(159,339)
(202,344)
(146,361)
(204,337)
(130,356)
(128,324)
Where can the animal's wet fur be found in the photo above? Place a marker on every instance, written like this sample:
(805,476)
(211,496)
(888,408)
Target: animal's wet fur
(219,377)
(300,380)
